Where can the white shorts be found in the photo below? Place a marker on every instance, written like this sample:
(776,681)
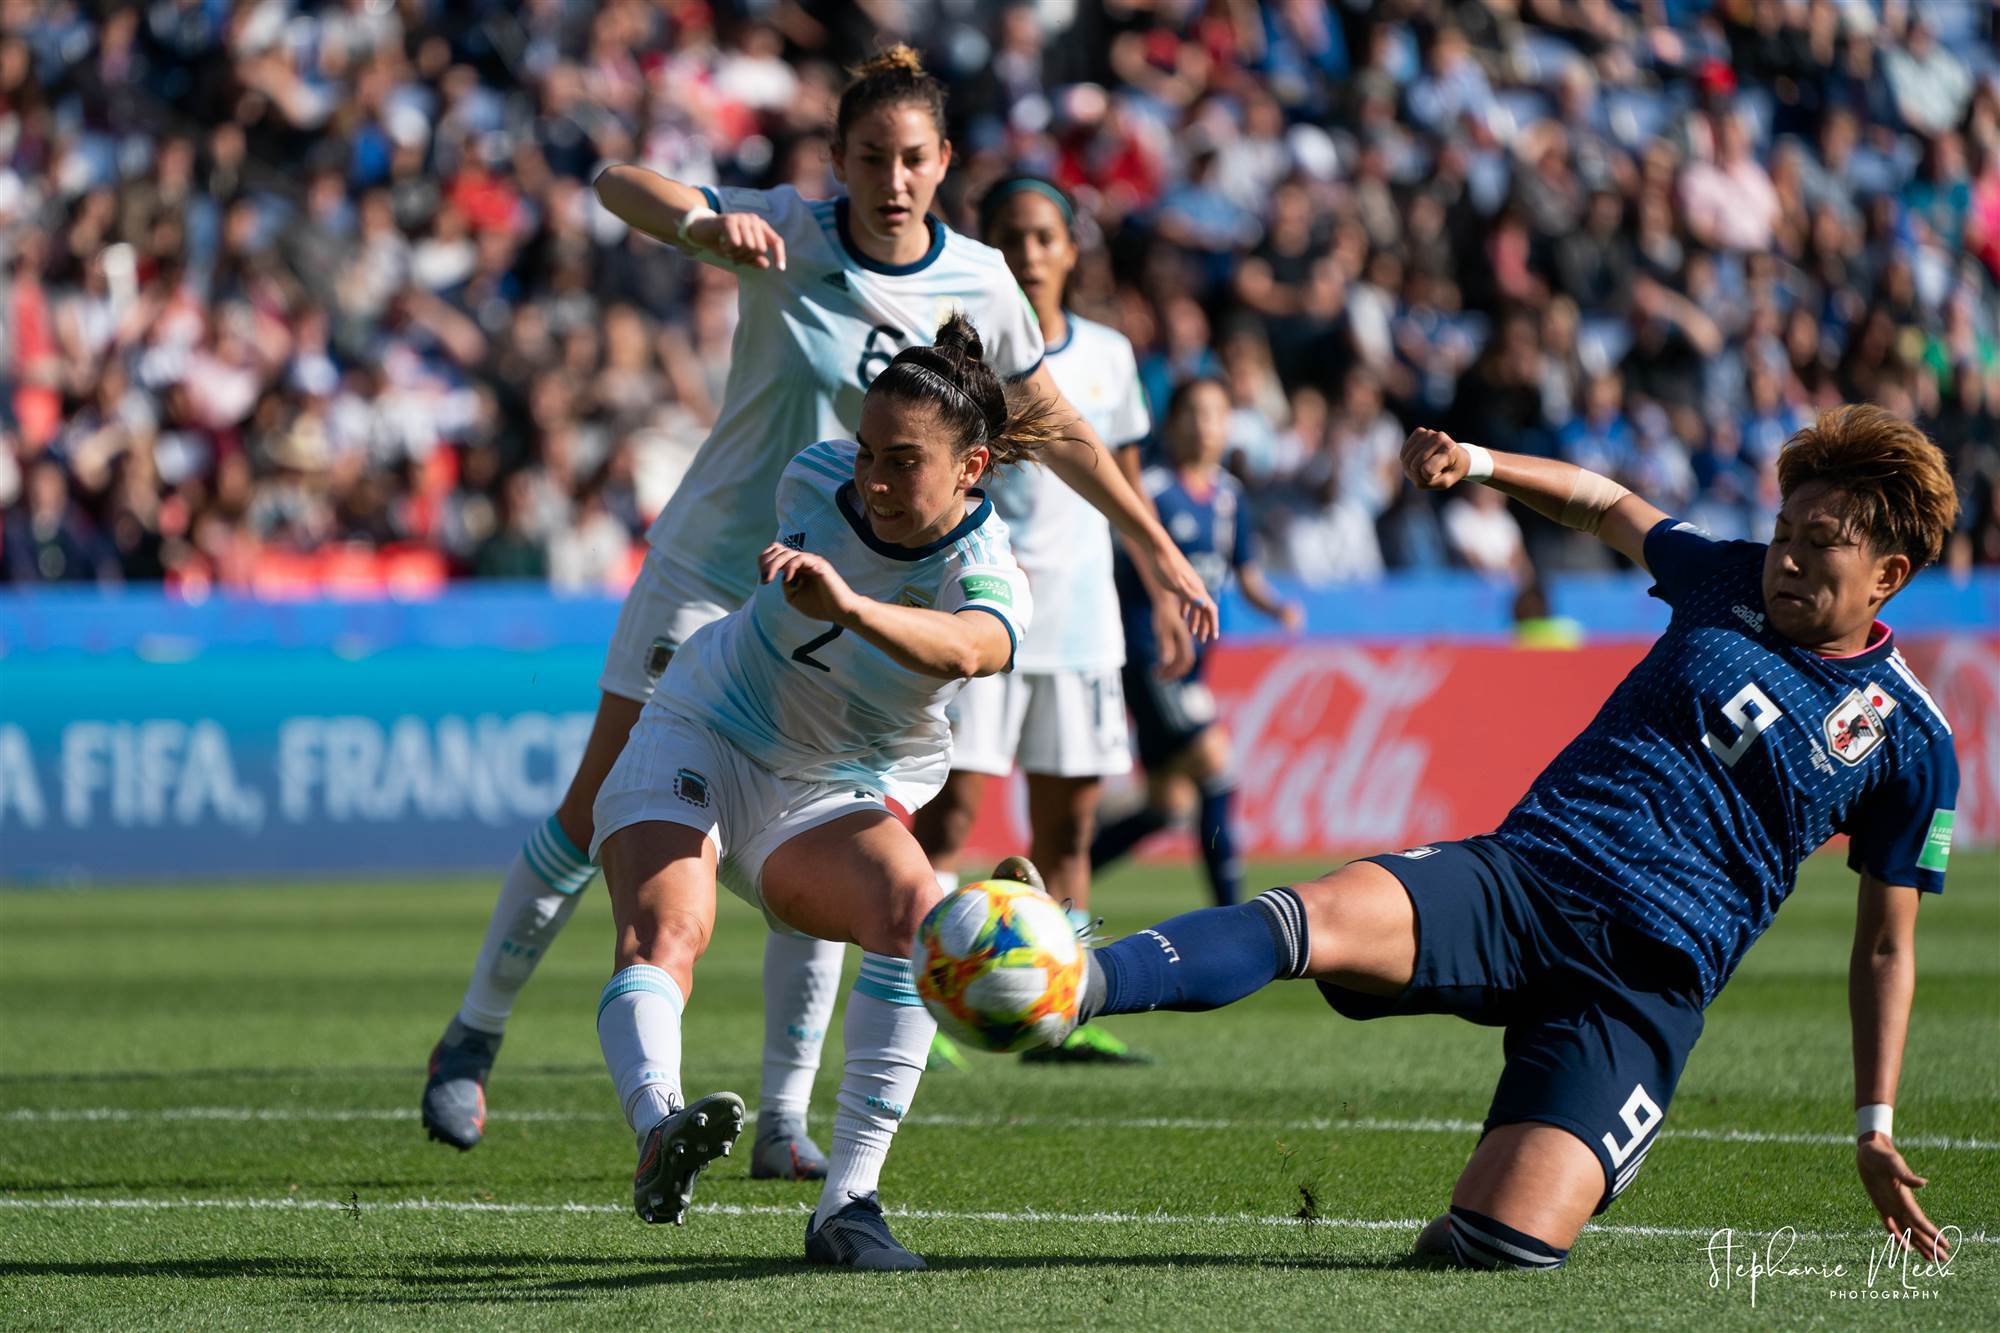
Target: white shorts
(655,621)
(676,771)
(1065,724)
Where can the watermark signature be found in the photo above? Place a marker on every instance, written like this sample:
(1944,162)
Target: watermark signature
(1894,1270)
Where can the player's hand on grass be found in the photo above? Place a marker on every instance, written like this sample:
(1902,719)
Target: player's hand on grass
(1178,579)
(1892,1186)
(812,586)
(741,238)
(1176,644)
(1433,460)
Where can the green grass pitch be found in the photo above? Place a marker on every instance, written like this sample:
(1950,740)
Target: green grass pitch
(207,1119)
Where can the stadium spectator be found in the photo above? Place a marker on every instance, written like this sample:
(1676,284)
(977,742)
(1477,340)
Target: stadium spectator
(300,286)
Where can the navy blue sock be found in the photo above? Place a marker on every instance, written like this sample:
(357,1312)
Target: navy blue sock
(1115,839)
(1479,1241)
(1200,960)
(1218,843)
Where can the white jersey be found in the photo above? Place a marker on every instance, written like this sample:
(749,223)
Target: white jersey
(808,700)
(809,340)
(1061,541)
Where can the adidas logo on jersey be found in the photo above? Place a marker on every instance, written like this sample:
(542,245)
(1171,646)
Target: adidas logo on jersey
(837,281)
(1754,619)
(795,540)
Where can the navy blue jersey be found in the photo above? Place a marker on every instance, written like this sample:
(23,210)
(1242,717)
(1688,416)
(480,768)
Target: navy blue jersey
(1213,531)
(1728,755)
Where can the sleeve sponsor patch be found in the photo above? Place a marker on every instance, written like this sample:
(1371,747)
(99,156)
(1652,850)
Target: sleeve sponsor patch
(987,588)
(1937,843)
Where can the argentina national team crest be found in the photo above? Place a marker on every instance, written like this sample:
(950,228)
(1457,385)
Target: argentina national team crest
(691,787)
(1855,727)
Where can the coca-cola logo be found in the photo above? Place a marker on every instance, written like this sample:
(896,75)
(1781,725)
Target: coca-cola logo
(1323,757)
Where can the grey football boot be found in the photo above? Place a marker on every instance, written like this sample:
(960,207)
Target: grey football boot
(784,1151)
(675,1151)
(454,1105)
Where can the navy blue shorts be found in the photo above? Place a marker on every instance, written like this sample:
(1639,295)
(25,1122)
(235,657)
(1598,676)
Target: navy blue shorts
(1167,715)
(1599,1018)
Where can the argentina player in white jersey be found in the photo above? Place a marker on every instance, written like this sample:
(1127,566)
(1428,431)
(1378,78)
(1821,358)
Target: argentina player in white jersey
(1060,713)
(829,292)
(1610,907)
(776,739)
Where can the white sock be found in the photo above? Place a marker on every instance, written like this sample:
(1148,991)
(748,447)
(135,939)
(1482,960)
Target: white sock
(801,982)
(888,1033)
(639,1028)
(947,880)
(541,890)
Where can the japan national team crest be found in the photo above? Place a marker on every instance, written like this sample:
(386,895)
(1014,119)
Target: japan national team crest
(1856,727)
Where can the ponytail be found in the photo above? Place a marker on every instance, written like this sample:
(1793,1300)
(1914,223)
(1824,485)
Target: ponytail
(951,377)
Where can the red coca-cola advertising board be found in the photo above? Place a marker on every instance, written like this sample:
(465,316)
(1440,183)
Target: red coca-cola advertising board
(1343,747)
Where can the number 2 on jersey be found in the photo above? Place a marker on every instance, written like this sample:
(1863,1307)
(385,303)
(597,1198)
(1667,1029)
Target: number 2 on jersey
(1749,728)
(804,652)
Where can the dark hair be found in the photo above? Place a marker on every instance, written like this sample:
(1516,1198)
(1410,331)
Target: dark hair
(891,78)
(952,378)
(1896,487)
(1008,186)
(1185,390)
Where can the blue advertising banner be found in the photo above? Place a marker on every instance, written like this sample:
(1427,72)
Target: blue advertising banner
(146,738)
(283,762)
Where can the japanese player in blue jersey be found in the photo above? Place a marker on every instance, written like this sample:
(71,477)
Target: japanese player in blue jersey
(766,759)
(827,292)
(1185,751)
(1609,908)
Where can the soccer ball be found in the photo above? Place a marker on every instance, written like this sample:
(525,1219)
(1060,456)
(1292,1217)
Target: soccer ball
(998,965)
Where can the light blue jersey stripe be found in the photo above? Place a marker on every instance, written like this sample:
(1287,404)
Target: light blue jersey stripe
(640,977)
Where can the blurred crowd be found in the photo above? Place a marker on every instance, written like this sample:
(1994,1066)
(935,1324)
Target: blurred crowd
(302,295)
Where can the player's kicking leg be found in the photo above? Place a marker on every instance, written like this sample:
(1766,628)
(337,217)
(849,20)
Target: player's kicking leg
(538,895)
(1463,928)
(862,877)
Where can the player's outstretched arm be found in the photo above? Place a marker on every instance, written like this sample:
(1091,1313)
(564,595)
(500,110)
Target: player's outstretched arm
(679,215)
(1881,978)
(1257,591)
(1088,468)
(1573,496)
(947,645)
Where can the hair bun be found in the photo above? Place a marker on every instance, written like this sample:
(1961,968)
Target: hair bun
(897,59)
(959,340)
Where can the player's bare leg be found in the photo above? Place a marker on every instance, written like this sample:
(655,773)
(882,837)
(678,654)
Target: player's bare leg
(1520,1201)
(863,878)
(1062,815)
(661,878)
(944,824)
(1362,927)
(537,897)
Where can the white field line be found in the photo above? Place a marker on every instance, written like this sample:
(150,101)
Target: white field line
(1317,1124)
(1029,1217)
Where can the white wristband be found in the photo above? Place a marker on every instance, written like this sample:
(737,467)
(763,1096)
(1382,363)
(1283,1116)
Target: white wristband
(1478,462)
(692,216)
(1870,1119)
